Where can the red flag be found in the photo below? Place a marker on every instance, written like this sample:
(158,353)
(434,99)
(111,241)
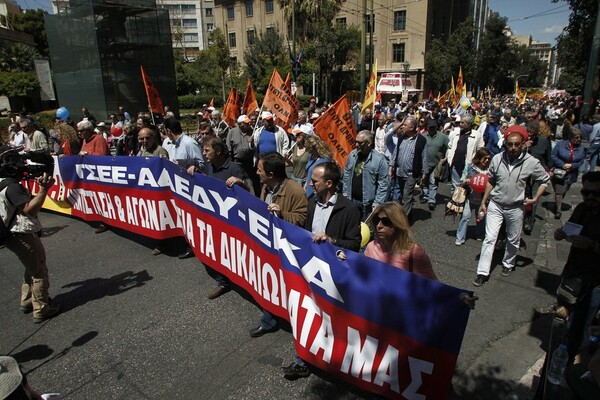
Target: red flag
(231,110)
(280,101)
(212,102)
(336,127)
(154,101)
(431,96)
(250,104)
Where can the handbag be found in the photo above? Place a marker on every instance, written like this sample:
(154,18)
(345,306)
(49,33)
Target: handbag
(570,289)
(560,173)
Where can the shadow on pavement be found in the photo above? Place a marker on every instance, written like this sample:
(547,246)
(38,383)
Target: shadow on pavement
(547,281)
(51,230)
(97,288)
(484,383)
(36,352)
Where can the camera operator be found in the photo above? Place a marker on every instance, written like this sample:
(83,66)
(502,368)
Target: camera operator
(19,210)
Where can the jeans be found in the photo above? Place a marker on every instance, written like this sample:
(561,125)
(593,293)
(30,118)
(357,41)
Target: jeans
(365,211)
(455,179)
(267,321)
(514,225)
(530,216)
(461,232)
(430,191)
(406,187)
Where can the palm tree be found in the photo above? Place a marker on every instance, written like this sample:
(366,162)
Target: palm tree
(311,15)
(17,58)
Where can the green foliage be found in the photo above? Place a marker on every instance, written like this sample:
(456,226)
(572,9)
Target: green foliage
(312,17)
(17,57)
(18,83)
(573,46)
(266,53)
(218,50)
(32,22)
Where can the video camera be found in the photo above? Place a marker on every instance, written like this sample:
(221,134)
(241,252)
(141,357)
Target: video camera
(19,165)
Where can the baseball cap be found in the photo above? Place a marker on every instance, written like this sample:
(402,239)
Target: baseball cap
(314,116)
(307,130)
(266,115)
(243,118)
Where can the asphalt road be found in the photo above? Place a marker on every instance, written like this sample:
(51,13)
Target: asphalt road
(139,326)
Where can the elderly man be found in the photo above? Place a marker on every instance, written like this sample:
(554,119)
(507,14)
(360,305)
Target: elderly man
(219,126)
(505,190)
(93,144)
(408,164)
(365,179)
(437,145)
(463,143)
(149,146)
(367,123)
(37,138)
(271,137)
(240,145)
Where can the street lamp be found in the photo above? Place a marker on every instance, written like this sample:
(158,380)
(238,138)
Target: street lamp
(406,66)
(326,54)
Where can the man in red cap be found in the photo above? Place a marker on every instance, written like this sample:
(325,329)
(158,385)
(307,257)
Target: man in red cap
(505,190)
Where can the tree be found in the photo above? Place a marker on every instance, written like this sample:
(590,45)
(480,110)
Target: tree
(17,57)
(495,65)
(218,52)
(32,23)
(573,44)
(18,83)
(311,16)
(267,52)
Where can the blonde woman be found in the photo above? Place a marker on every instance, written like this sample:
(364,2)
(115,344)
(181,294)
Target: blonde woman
(394,244)
(70,144)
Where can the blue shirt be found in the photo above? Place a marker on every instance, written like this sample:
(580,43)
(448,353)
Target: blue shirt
(266,142)
(186,152)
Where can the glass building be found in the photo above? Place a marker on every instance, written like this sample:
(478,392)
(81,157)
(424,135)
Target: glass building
(96,49)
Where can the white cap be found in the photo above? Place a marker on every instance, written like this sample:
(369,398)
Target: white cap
(266,115)
(243,118)
(211,109)
(304,128)
(314,116)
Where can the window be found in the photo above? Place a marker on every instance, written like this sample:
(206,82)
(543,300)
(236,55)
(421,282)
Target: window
(232,42)
(269,6)
(400,20)
(270,30)
(188,8)
(189,23)
(398,52)
(249,8)
(208,12)
(210,27)
(190,37)
(341,22)
(233,62)
(251,35)
(230,12)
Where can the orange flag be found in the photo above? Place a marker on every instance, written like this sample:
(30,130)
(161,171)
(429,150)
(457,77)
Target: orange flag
(459,81)
(336,127)
(212,102)
(280,101)
(250,104)
(231,111)
(370,92)
(154,101)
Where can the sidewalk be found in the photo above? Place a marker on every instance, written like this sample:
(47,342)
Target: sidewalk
(522,350)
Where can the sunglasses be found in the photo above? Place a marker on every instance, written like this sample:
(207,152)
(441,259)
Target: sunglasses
(591,193)
(384,220)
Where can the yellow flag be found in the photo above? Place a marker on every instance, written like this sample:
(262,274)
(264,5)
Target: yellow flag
(370,93)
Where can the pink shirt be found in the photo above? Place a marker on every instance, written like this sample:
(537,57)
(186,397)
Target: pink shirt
(421,264)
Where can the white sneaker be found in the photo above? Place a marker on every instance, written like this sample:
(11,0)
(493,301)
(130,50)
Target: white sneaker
(458,243)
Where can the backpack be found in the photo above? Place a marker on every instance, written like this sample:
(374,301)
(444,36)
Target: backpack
(5,233)
(456,205)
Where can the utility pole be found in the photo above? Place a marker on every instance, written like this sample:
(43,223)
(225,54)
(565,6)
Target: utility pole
(363,50)
(592,65)
(294,28)
(371,31)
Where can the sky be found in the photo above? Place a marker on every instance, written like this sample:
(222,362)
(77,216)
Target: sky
(541,19)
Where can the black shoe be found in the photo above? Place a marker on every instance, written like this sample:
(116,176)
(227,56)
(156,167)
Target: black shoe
(52,311)
(27,309)
(527,229)
(431,206)
(219,291)
(186,254)
(480,280)
(507,271)
(557,215)
(423,200)
(295,371)
(100,229)
(258,332)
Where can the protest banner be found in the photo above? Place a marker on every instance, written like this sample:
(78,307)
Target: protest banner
(378,327)
(336,127)
(280,100)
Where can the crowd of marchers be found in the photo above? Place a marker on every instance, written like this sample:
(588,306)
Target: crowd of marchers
(498,156)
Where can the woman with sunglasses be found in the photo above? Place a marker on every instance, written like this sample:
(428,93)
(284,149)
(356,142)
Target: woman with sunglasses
(394,243)
(480,165)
